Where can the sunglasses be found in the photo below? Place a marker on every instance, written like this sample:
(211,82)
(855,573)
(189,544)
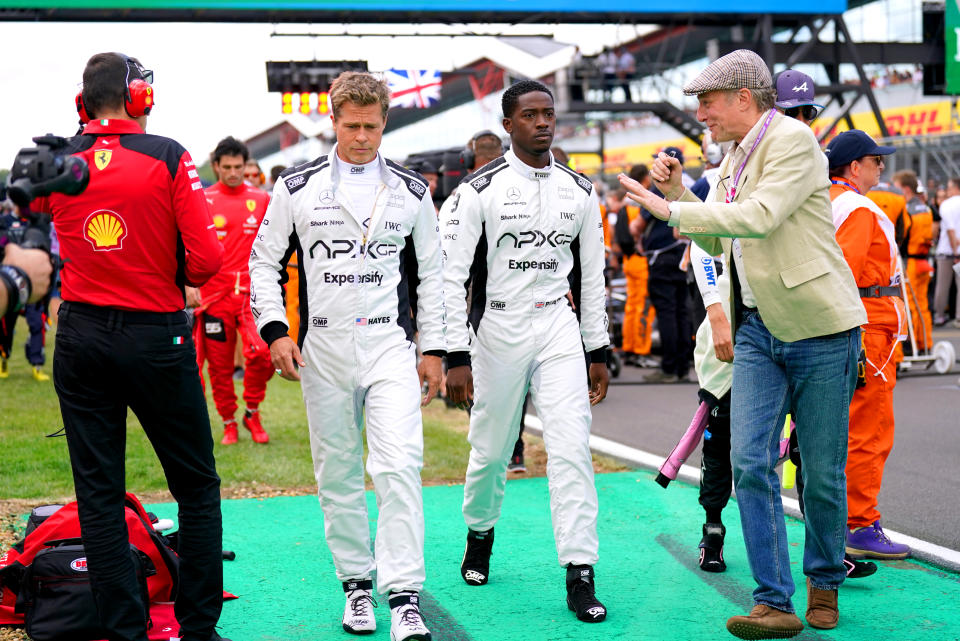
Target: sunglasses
(809,112)
(877,158)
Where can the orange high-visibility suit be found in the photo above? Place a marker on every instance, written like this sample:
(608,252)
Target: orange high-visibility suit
(867,238)
(638,314)
(919,270)
(891,200)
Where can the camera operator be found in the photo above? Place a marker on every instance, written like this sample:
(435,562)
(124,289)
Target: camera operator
(137,234)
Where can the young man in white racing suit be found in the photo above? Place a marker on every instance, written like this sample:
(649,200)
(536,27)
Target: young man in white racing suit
(353,217)
(525,231)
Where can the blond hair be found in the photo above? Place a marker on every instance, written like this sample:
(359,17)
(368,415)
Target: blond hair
(361,89)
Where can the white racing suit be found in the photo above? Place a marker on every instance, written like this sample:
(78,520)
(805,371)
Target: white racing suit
(356,337)
(526,237)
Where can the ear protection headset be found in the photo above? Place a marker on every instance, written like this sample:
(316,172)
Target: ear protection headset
(138,98)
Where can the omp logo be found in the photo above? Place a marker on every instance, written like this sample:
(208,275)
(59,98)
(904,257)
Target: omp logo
(357,169)
(536,238)
(318,321)
(105,230)
(709,269)
(541,265)
(540,175)
(480,182)
(79,565)
(296,182)
(586,184)
(513,193)
(417,188)
(596,611)
(498,304)
(344,248)
(565,193)
(473,575)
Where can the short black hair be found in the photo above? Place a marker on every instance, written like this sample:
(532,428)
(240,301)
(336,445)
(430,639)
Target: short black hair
(104,81)
(511,97)
(638,172)
(230,146)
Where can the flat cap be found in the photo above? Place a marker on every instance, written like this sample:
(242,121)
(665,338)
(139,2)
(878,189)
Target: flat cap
(737,70)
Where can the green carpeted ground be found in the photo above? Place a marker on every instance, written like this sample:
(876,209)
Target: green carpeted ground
(647,576)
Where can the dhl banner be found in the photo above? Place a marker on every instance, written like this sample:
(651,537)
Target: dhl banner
(925,119)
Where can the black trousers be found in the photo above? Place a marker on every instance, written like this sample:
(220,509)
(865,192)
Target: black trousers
(106,361)
(667,288)
(716,473)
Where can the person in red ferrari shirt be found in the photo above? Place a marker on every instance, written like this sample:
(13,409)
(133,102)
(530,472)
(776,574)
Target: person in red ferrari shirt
(137,234)
(224,301)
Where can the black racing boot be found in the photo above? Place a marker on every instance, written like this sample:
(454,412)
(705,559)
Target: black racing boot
(475,567)
(711,548)
(580,594)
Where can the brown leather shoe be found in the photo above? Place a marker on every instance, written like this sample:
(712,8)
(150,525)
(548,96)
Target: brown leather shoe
(822,610)
(765,622)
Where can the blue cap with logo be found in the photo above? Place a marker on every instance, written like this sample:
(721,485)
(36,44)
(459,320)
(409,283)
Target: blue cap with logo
(852,145)
(676,152)
(795,89)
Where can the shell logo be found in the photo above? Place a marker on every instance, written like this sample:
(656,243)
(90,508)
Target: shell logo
(219,221)
(105,230)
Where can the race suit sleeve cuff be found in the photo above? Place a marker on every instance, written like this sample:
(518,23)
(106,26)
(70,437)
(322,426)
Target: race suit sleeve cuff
(457,359)
(598,355)
(435,352)
(272,331)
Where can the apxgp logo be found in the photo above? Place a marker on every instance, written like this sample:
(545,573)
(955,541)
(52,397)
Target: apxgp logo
(536,238)
(344,248)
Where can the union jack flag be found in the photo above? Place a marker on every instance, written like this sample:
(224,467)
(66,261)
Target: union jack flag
(413,87)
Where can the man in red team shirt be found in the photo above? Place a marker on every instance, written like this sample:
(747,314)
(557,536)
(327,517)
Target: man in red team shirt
(137,234)
(224,308)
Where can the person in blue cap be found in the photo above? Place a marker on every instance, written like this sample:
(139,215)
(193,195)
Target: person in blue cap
(796,96)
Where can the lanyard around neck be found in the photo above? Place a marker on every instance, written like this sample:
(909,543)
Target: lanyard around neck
(732,192)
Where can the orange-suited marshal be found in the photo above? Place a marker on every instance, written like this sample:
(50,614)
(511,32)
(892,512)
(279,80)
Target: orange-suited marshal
(224,309)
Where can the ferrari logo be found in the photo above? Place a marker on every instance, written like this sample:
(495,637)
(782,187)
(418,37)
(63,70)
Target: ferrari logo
(251,205)
(102,158)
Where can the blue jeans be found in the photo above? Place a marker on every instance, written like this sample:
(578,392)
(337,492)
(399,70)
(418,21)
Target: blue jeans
(814,380)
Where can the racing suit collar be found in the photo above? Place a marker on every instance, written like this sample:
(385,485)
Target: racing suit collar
(389,178)
(117,126)
(522,168)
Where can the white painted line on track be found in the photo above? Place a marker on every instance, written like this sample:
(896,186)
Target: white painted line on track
(924,550)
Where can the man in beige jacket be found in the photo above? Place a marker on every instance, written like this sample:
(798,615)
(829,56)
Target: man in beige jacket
(796,318)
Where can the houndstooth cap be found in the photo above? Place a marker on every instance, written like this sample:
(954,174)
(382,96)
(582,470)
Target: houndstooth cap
(737,70)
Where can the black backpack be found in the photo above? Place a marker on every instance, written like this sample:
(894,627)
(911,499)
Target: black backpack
(56,598)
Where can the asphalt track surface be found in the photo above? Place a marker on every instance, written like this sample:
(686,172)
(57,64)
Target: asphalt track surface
(920,494)
(647,576)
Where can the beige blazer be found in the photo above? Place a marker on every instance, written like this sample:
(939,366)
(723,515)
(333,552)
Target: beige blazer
(782,216)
